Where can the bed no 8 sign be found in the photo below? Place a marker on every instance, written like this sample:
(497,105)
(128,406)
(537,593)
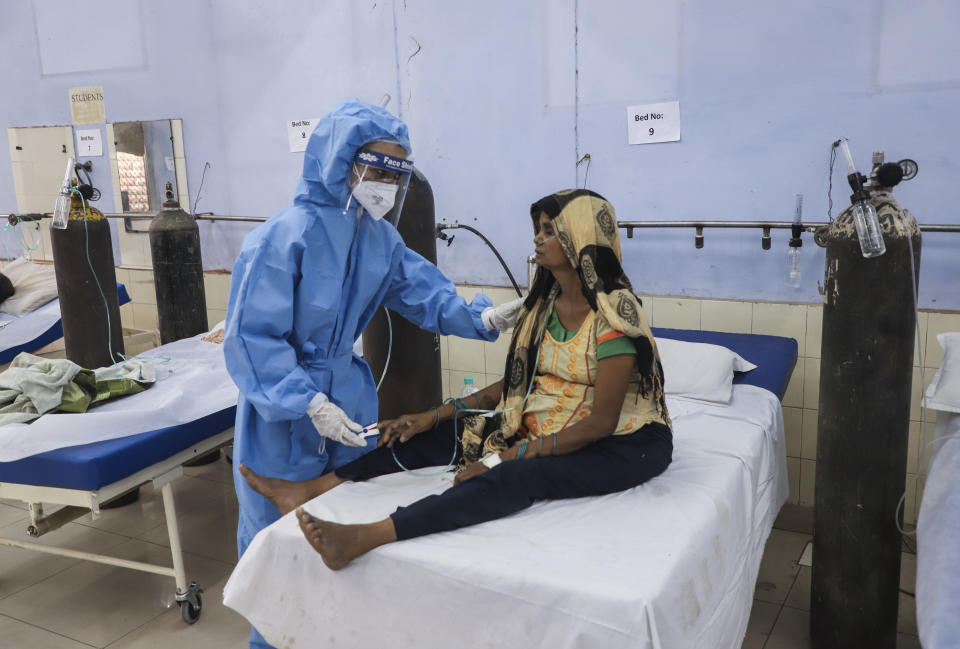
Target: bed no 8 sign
(298,132)
(653,123)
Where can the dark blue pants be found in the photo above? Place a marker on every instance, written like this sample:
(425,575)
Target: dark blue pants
(612,464)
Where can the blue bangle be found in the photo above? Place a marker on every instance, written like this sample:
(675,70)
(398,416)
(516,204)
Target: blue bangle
(554,449)
(521,449)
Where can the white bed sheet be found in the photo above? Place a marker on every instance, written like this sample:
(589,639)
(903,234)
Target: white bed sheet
(938,531)
(24,328)
(669,564)
(192,383)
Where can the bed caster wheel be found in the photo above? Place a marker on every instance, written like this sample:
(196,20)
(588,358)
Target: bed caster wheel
(191,603)
(189,612)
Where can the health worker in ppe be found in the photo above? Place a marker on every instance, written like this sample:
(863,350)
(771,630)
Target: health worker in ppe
(305,285)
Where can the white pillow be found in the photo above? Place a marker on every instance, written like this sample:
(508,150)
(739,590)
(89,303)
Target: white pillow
(33,286)
(944,391)
(699,370)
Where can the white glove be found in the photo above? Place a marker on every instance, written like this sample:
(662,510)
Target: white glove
(332,422)
(503,316)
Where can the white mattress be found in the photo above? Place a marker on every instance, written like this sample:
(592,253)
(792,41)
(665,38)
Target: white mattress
(670,564)
(192,383)
(24,328)
(938,528)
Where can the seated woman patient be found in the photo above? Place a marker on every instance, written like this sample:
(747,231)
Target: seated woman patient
(581,408)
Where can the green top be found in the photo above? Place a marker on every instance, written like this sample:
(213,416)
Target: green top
(621,345)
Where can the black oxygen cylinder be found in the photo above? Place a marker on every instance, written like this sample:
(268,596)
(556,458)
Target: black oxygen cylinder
(412,383)
(865,383)
(86,332)
(177,272)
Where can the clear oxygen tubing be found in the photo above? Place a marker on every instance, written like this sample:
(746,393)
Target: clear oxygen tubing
(386,364)
(25,246)
(923,409)
(845,149)
(3,241)
(386,311)
(113,356)
(106,306)
(350,197)
(458,409)
(28,248)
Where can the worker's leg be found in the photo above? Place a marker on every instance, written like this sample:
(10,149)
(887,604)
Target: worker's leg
(609,465)
(254,513)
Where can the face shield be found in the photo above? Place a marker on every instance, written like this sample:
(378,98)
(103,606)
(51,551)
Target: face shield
(379,183)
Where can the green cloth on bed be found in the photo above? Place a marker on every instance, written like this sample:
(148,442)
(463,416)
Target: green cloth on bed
(86,391)
(33,386)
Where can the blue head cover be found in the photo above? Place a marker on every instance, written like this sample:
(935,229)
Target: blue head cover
(334,143)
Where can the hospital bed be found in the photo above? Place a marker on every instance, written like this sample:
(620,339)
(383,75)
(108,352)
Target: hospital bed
(81,461)
(672,563)
(37,329)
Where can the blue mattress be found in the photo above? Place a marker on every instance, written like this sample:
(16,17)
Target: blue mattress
(92,466)
(774,356)
(53,333)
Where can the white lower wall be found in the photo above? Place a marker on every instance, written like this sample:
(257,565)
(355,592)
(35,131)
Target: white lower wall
(484,362)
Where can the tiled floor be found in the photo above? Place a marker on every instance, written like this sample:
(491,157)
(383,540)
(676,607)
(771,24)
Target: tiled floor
(51,602)
(780,617)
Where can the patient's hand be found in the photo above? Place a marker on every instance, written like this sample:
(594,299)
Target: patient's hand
(405,426)
(471,471)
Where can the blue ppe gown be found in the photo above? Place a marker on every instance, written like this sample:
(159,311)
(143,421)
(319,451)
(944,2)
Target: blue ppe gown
(304,286)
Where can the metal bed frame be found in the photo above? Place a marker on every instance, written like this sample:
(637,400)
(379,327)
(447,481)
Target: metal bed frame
(77,502)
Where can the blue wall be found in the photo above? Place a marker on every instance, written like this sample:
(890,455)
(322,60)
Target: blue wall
(502,97)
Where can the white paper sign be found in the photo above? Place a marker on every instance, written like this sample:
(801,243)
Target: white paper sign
(653,123)
(89,143)
(298,132)
(168,161)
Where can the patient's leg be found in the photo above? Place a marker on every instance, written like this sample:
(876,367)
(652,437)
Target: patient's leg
(287,495)
(339,544)
(612,464)
(436,447)
(609,465)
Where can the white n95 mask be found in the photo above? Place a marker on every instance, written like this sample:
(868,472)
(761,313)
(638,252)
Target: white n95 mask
(376,197)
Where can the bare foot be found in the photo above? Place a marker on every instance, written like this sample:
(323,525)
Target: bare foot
(287,495)
(339,544)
